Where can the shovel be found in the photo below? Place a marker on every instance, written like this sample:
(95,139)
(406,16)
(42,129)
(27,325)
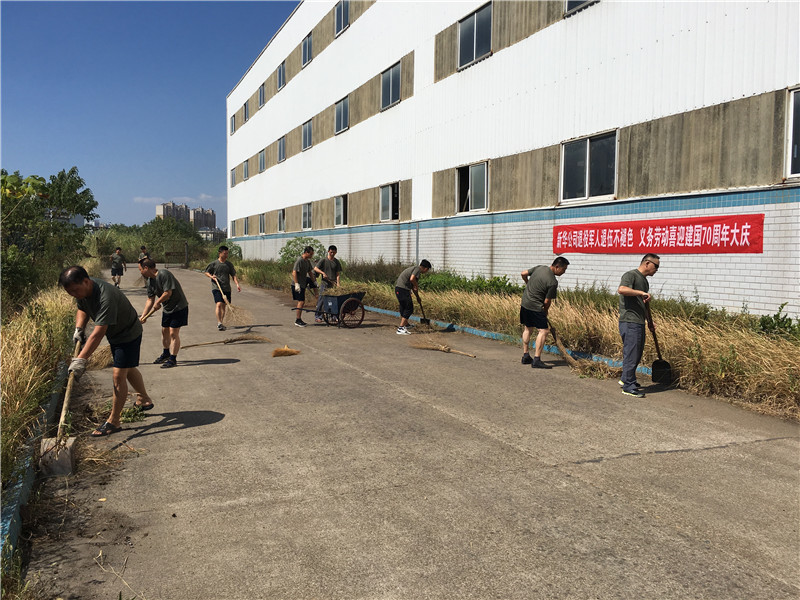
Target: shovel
(57,459)
(662,371)
(423,320)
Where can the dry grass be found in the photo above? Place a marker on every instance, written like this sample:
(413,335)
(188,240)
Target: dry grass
(237,316)
(100,359)
(32,344)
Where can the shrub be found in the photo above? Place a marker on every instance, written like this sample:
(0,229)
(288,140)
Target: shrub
(293,248)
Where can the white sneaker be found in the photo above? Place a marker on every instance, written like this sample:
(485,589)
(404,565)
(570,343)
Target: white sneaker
(403,331)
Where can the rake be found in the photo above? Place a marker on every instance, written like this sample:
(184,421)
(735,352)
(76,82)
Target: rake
(238,316)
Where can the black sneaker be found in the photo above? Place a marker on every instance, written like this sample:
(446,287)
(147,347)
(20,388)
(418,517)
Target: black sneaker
(169,363)
(538,364)
(161,359)
(634,392)
(300,323)
(221,327)
(526,359)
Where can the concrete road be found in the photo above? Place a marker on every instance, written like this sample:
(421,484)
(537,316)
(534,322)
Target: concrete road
(364,468)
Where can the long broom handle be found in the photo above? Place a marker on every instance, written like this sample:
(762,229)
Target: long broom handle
(224,297)
(148,315)
(567,356)
(67,394)
(653,329)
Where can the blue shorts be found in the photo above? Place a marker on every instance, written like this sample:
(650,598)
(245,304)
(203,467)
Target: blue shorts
(126,355)
(218,297)
(175,319)
(531,318)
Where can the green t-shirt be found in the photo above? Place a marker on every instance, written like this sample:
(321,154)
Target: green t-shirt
(117,261)
(542,284)
(631,308)
(107,305)
(224,271)
(163,282)
(330,267)
(303,267)
(404,281)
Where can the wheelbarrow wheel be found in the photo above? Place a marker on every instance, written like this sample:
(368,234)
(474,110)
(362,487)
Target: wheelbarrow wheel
(330,319)
(352,313)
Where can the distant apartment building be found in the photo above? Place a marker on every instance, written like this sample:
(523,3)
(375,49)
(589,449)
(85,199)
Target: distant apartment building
(492,136)
(198,217)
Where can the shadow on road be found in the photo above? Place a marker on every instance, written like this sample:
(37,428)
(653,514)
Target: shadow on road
(173,422)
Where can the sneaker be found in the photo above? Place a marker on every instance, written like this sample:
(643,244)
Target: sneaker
(221,327)
(169,363)
(526,359)
(299,323)
(634,392)
(403,331)
(161,359)
(538,364)
(637,385)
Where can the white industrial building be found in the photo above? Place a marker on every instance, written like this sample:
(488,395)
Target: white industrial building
(489,137)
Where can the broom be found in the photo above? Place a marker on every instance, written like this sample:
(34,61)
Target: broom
(567,356)
(238,316)
(285,351)
(430,345)
(239,338)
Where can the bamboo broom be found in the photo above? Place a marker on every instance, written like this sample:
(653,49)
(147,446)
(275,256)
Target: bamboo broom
(239,338)
(238,316)
(430,345)
(285,351)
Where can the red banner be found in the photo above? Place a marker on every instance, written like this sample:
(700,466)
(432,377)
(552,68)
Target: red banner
(692,235)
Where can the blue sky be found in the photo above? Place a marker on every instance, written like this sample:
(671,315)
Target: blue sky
(132,93)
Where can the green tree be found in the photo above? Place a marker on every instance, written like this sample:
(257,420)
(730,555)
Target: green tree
(293,248)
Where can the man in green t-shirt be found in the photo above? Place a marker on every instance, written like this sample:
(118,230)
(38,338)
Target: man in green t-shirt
(331,270)
(634,293)
(541,287)
(221,271)
(163,290)
(118,263)
(115,318)
(301,274)
(408,282)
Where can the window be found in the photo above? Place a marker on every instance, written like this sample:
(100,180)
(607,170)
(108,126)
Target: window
(307,135)
(233,123)
(475,36)
(390,86)
(472,186)
(233,228)
(342,16)
(575,5)
(246,170)
(233,177)
(340,210)
(282,75)
(342,115)
(261,95)
(390,202)
(589,167)
(282,149)
(307,50)
(246,108)
(262,223)
(307,216)
(282,219)
(262,161)
(794,137)
(246,226)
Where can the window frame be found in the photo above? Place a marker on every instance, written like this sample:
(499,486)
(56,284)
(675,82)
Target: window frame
(233,124)
(307,218)
(262,95)
(310,130)
(281,220)
(474,17)
(233,228)
(346,110)
(394,212)
(587,197)
(262,160)
(793,133)
(262,223)
(470,195)
(568,12)
(340,201)
(282,75)
(233,177)
(307,49)
(345,6)
(246,226)
(281,148)
(399,86)
(246,109)
(246,170)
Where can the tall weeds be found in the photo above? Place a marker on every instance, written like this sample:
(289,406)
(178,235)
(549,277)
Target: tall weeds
(32,343)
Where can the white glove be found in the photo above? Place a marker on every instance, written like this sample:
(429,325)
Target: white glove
(297,287)
(77,366)
(79,336)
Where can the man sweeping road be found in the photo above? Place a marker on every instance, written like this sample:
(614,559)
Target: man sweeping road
(115,318)
(541,287)
(164,290)
(222,271)
(408,282)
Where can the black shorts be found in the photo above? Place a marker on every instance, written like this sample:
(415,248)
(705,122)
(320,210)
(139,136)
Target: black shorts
(175,319)
(299,296)
(126,355)
(116,272)
(218,297)
(530,318)
(405,301)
